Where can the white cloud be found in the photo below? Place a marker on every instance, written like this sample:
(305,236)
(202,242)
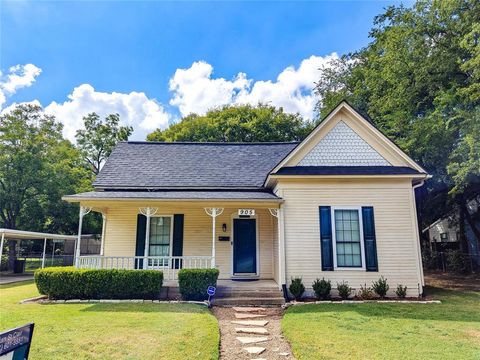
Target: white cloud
(135,109)
(194,89)
(18,76)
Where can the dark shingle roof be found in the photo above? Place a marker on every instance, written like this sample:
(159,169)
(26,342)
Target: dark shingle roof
(347,170)
(187,165)
(176,195)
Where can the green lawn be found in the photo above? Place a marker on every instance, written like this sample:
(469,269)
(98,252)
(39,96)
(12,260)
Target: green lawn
(450,330)
(111,331)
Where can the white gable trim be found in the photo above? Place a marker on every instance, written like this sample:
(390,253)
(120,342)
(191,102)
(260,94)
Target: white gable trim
(345,105)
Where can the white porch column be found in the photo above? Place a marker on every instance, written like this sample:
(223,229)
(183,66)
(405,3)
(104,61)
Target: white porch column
(278,213)
(82,212)
(148,212)
(104,226)
(213,212)
(1,247)
(44,250)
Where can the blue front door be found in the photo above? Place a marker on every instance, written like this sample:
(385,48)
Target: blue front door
(244,246)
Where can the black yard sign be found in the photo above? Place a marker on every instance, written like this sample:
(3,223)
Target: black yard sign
(15,343)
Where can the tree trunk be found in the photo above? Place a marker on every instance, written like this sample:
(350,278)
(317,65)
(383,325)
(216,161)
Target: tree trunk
(461,226)
(473,226)
(11,254)
(12,244)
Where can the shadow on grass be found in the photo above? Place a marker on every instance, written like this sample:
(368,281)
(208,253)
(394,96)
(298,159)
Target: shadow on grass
(456,306)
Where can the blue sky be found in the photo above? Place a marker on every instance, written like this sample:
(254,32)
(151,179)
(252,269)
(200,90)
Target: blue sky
(115,48)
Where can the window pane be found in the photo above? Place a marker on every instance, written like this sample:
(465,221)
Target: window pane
(347,234)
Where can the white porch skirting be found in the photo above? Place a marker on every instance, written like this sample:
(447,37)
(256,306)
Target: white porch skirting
(169,265)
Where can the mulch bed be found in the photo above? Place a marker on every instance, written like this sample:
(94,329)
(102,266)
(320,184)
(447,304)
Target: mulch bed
(462,282)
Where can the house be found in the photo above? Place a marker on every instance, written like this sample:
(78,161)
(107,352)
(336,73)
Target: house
(339,205)
(444,233)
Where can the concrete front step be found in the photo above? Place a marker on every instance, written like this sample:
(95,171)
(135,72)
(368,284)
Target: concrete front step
(236,293)
(248,301)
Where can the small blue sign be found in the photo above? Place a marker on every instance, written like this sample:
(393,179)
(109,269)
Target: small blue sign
(211,290)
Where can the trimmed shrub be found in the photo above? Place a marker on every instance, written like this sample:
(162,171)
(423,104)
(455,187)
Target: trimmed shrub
(296,288)
(381,287)
(401,291)
(322,288)
(193,283)
(344,290)
(365,292)
(71,283)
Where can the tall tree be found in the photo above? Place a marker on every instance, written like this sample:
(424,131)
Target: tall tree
(242,123)
(99,138)
(37,167)
(419,81)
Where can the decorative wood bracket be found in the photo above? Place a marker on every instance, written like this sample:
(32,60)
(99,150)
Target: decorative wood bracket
(273,212)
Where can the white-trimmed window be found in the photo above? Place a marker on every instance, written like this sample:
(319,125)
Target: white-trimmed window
(161,236)
(348,248)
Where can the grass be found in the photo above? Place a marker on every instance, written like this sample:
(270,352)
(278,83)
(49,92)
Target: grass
(111,331)
(450,330)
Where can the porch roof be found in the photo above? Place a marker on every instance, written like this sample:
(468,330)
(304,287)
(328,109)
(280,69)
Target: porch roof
(175,195)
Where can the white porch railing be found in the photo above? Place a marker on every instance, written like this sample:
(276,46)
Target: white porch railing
(169,265)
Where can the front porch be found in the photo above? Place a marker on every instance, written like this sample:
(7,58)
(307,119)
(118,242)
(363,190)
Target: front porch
(169,265)
(240,239)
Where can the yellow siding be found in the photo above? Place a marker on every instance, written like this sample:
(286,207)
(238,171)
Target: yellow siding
(394,223)
(120,234)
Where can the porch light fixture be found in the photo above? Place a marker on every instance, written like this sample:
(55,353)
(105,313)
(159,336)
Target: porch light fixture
(224,227)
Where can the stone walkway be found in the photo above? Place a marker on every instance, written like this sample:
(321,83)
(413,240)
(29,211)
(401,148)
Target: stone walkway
(252,333)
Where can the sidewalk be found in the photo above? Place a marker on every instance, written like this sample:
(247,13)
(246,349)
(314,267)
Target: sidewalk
(8,278)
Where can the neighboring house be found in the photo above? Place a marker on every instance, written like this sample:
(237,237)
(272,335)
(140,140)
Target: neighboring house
(444,234)
(339,205)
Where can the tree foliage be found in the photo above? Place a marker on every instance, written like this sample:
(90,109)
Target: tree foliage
(99,138)
(242,123)
(419,81)
(37,167)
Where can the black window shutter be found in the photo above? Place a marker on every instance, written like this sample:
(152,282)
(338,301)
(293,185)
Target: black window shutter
(177,249)
(326,238)
(140,246)
(371,263)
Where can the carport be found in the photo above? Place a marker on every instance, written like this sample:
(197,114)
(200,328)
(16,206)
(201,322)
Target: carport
(19,235)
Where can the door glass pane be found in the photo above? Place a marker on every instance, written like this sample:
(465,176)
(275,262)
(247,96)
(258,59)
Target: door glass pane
(347,235)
